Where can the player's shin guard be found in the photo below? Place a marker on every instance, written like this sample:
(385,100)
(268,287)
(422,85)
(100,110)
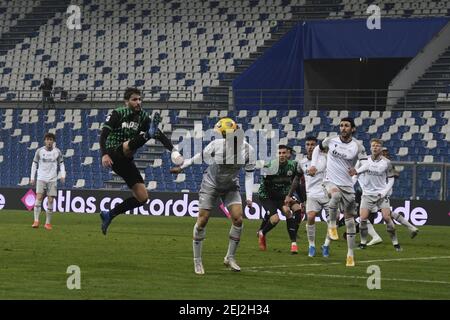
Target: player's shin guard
(311,232)
(371,230)
(235,237)
(265,221)
(351,230)
(292,231)
(298,217)
(48,216)
(334,202)
(398,217)
(123,207)
(363,230)
(37,209)
(390,228)
(197,242)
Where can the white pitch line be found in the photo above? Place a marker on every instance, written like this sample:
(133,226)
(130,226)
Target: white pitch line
(362,261)
(351,277)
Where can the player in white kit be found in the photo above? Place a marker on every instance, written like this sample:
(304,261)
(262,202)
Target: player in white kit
(376,239)
(343,152)
(226,157)
(45,162)
(378,170)
(396,216)
(316,196)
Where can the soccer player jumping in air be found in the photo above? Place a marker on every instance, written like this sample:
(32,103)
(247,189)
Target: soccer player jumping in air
(127,129)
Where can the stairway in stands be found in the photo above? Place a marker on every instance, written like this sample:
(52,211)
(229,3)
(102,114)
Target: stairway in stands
(217,97)
(424,93)
(30,24)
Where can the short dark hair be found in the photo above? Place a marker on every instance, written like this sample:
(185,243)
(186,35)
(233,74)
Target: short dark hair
(311,138)
(130,91)
(283,146)
(50,135)
(349,119)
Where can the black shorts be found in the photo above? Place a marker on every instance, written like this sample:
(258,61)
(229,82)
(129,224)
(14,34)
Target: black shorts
(126,168)
(271,205)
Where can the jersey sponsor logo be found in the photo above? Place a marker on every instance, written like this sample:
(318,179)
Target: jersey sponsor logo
(337,154)
(130,125)
(375,173)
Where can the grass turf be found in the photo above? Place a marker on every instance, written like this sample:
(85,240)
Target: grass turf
(151,258)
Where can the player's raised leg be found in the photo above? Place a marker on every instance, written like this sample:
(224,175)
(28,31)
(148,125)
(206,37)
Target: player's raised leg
(399,218)
(390,228)
(140,197)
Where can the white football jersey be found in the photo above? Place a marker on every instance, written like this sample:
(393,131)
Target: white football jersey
(376,175)
(47,163)
(224,167)
(314,185)
(341,157)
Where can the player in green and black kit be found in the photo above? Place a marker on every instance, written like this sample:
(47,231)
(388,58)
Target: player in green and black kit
(274,187)
(126,129)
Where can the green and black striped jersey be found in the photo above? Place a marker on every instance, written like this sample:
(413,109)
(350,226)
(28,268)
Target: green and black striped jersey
(277,184)
(125,124)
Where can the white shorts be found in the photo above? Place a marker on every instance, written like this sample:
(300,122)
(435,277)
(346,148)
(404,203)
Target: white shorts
(317,204)
(348,196)
(46,187)
(374,203)
(208,199)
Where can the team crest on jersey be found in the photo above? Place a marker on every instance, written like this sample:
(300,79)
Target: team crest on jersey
(289,173)
(130,125)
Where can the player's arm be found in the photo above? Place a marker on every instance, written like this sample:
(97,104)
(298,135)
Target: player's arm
(389,186)
(391,179)
(208,151)
(34,166)
(250,175)
(322,146)
(62,167)
(249,180)
(112,122)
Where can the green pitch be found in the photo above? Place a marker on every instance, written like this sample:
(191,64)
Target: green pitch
(151,258)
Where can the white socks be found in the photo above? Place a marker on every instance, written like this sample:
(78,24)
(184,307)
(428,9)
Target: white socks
(235,237)
(37,210)
(48,215)
(311,232)
(198,237)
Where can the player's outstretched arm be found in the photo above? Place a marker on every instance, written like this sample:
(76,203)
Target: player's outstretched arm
(249,179)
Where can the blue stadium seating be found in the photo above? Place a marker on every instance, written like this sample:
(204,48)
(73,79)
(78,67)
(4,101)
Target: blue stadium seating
(22,131)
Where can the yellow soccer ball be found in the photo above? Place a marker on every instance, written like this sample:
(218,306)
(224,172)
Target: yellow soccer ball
(225,125)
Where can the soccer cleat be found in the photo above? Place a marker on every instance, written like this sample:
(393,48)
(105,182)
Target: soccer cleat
(332,233)
(35,224)
(414,233)
(106,220)
(262,241)
(154,125)
(48,226)
(398,248)
(362,246)
(198,266)
(375,241)
(294,248)
(311,251)
(325,251)
(350,261)
(231,263)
